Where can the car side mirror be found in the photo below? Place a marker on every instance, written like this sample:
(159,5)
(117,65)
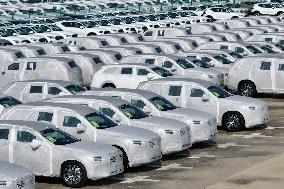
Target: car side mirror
(117,118)
(81,27)
(36,144)
(147,110)
(205,98)
(31,32)
(48,30)
(15,34)
(81,128)
(150,76)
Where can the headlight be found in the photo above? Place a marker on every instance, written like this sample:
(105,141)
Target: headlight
(169,131)
(3,183)
(138,142)
(98,158)
(210,76)
(252,108)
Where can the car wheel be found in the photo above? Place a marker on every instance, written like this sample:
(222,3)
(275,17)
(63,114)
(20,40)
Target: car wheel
(73,174)
(108,85)
(256,13)
(279,13)
(247,88)
(211,18)
(235,17)
(233,121)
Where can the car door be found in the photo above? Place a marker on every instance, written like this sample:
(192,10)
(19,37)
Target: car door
(38,160)
(173,93)
(279,77)
(126,78)
(4,143)
(10,74)
(30,72)
(262,76)
(33,92)
(194,98)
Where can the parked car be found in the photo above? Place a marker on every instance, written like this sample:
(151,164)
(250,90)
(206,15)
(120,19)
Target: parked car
(124,113)
(155,105)
(233,112)
(13,176)
(139,146)
(127,75)
(179,66)
(261,74)
(40,68)
(217,13)
(7,101)
(48,151)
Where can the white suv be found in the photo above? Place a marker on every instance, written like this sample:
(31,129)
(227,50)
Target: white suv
(267,9)
(218,13)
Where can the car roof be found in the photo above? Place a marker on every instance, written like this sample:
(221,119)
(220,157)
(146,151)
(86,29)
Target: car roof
(59,82)
(144,93)
(131,64)
(112,100)
(82,110)
(37,126)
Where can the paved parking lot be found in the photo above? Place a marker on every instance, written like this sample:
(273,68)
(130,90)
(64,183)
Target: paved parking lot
(206,164)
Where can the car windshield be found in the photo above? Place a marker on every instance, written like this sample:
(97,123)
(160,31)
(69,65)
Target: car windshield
(280,46)
(40,28)
(58,137)
(162,104)
(9,101)
(75,88)
(132,112)
(222,59)
(6,32)
(184,63)
(54,28)
(253,49)
(219,92)
(236,55)
(90,24)
(162,72)
(201,63)
(24,30)
(100,121)
(116,21)
(268,49)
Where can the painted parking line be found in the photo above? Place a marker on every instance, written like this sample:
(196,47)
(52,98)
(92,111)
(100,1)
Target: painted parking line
(231,144)
(138,179)
(273,128)
(252,135)
(170,166)
(203,155)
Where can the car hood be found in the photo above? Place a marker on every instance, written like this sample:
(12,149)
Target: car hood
(99,149)
(186,113)
(241,100)
(131,133)
(221,69)
(204,71)
(161,123)
(11,171)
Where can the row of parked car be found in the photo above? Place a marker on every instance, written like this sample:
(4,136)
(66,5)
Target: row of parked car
(116,100)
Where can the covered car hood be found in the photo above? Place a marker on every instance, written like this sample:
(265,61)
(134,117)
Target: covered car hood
(131,133)
(91,147)
(241,100)
(223,70)
(10,171)
(186,113)
(208,71)
(161,122)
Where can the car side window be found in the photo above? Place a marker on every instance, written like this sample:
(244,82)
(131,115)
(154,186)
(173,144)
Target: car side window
(167,64)
(268,39)
(138,103)
(265,65)
(281,67)
(126,71)
(14,66)
(31,66)
(148,33)
(175,91)
(26,137)
(149,61)
(36,89)
(54,91)
(45,116)
(70,121)
(196,93)
(4,134)
(107,111)
(223,47)
(142,72)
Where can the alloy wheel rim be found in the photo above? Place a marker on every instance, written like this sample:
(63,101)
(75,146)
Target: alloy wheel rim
(72,174)
(233,122)
(246,90)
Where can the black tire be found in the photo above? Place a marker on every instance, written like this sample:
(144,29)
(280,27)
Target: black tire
(73,174)
(233,121)
(211,18)
(256,13)
(108,85)
(235,17)
(91,34)
(247,88)
(279,13)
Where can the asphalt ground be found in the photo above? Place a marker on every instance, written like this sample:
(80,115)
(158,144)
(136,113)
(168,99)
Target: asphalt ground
(205,164)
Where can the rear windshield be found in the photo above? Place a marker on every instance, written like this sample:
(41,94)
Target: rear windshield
(9,101)
(75,88)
